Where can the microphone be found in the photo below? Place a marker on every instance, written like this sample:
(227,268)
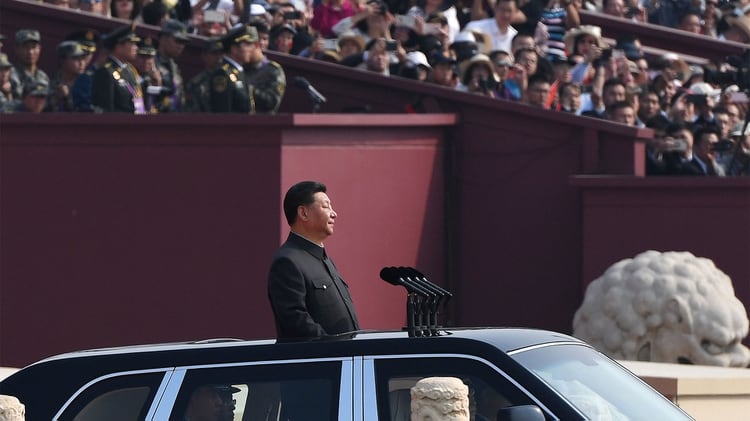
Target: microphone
(315,96)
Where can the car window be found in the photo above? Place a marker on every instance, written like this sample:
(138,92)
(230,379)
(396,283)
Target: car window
(599,388)
(121,398)
(488,390)
(291,391)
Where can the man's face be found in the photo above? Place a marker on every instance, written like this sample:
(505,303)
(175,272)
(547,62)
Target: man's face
(504,11)
(691,23)
(733,112)
(28,52)
(537,94)
(529,60)
(171,46)
(263,39)
(284,42)
(650,105)
(723,121)
(571,97)
(615,8)
(442,74)
(522,42)
(704,149)
(126,51)
(624,115)
(377,60)
(242,52)
(144,63)
(614,93)
(34,103)
(75,65)
(319,216)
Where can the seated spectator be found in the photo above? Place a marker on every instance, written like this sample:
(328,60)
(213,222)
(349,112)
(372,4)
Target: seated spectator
(155,13)
(464,46)
(350,43)
(704,97)
(6,91)
(415,66)
(371,22)
(649,105)
(125,9)
(282,38)
(584,45)
(72,60)
(93,6)
(558,17)
(264,32)
(443,70)
(667,13)
(478,76)
(151,78)
(499,27)
(736,161)
(328,13)
(503,61)
(205,405)
(376,58)
(680,109)
(34,98)
(621,112)
(446,10)
(671,153)
(197,90)
(690,21)
(704,155)
(613,91)
(569,98)
(710,17)
(27,71)
(538,91)
(524,41)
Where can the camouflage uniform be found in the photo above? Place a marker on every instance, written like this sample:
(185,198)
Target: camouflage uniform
(267,85)
(197,92)
(20,76)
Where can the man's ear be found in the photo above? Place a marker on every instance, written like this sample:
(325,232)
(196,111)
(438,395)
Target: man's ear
(302,212)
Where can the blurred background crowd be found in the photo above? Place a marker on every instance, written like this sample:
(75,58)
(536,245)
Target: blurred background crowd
(535,52)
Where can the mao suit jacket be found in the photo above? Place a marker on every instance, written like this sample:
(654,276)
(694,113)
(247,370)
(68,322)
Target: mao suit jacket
(308,296)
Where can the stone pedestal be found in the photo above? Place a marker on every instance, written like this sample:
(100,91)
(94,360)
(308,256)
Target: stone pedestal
(11,409)
(440,399)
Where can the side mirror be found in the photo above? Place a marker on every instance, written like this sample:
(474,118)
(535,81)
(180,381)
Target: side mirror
(520,413)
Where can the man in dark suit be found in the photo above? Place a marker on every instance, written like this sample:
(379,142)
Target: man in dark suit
(308,296)
(116,86)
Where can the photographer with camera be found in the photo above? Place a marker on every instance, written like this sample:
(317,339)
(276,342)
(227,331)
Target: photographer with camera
(478,76)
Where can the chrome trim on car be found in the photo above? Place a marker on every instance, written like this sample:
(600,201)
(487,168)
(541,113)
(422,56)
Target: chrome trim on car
(158,397)
(347,403)
(169,396)
(105,377)
(537,346)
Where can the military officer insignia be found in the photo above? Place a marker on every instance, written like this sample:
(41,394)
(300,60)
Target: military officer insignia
(116,75)
(219,84)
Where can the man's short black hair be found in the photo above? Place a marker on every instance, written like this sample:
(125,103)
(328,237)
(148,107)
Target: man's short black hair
(703,130)
(300,194)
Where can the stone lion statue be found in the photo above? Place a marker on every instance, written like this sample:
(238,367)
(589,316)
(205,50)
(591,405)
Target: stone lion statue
(11,409)
(665,307)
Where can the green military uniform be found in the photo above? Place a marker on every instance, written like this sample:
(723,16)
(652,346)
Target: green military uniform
(57,102)
(6,98)
(172,98)
(268,83)
(229,91)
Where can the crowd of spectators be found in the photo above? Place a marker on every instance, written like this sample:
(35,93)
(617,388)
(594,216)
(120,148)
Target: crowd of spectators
(529,51)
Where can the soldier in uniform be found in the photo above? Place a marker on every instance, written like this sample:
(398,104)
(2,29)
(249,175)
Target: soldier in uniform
(172,40)
(151,84)
(28,50)
(229,90)
(267,81)
(81,89)
(116,87)
(6,92)
(73,59)
(197,90)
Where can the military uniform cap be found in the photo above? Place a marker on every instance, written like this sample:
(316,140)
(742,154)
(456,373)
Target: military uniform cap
(68,49)
(36,89)
(28,35)
(213,45)
(147,46)
(278,29)
(4,63)
(87,38)
(119,35)
(176,29)
(242,33)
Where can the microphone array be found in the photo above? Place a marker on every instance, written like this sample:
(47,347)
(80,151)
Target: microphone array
(423,300)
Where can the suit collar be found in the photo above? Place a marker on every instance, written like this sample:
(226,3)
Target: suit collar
(307,245)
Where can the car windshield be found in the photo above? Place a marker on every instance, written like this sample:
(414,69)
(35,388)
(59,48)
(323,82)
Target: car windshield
(601,389)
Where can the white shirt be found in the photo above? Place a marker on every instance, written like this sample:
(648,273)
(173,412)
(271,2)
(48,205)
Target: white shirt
(489,26)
